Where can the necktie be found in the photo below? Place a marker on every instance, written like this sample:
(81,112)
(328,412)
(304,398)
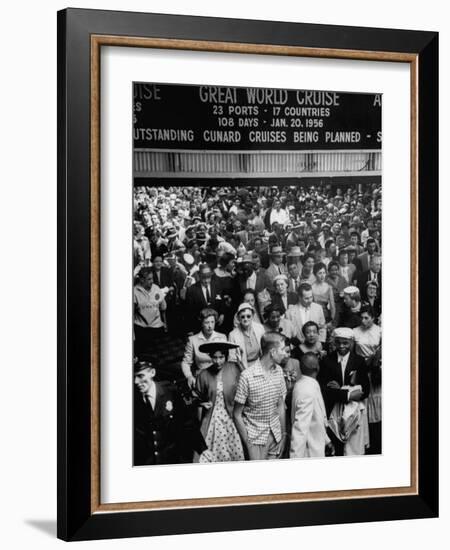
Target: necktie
(208,296)
(279,270)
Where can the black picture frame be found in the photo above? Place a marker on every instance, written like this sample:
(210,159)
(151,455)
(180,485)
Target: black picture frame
(77,517)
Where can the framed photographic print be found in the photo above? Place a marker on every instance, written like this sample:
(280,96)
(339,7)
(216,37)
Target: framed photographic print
(247,274)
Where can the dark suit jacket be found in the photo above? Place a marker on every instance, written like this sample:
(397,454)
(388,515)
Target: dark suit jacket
(362,261)
(162,434)
(330,369)
(195,302)
(349,318)
(292,299)
(261,283)
(267,218)
(165,277)
(362,280)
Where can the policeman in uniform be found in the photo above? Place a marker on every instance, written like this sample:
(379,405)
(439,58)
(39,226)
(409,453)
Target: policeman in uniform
(164,429)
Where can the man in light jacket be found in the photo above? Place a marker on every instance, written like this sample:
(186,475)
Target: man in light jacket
(305,310)
(309,418)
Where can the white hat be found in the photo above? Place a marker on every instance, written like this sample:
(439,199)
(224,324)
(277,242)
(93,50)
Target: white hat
(188,259)
(343,332)
(245,305)
(351,289)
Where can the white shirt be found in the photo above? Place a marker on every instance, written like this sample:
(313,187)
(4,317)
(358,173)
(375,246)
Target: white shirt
(343,360)
(305,313)
(281,217)
(251,281)
(204,288)
(294,284)
(151,395)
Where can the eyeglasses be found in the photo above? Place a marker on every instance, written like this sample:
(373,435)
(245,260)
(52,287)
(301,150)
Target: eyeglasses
(245,316)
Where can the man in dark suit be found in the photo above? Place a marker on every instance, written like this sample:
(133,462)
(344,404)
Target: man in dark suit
(165,431)
(204,293)
(371,274)
(247,277)
(340,370)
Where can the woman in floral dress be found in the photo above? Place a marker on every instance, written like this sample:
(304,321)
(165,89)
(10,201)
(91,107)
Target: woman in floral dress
(216,388)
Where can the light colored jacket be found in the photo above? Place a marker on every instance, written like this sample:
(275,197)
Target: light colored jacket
(236,336)
(309,420)
(193,359)
(296,314)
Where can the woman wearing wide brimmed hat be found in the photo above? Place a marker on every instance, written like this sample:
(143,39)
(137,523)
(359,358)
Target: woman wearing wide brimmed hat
(216,388)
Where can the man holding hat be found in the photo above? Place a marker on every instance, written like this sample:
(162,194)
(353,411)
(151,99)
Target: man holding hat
(344,380)
(165,432)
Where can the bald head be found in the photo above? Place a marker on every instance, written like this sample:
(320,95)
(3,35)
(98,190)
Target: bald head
(309,364)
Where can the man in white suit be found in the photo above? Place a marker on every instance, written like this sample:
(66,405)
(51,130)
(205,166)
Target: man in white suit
(309,417)
(306,310)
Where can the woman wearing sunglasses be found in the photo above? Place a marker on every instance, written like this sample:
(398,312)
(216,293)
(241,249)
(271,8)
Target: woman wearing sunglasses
(247,335)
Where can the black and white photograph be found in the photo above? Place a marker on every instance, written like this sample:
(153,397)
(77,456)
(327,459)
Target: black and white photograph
(257,273)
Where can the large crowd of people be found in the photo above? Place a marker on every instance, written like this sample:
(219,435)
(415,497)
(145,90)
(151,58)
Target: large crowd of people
(275,294)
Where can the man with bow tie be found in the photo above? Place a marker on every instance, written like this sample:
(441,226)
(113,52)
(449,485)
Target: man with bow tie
(164,430)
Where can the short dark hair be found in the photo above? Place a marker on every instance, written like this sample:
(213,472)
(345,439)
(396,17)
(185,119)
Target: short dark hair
(144,273)
(249,291)
(304,287)
(225,259)
(308,255)
(309,324)
(318,266)
(272,307)
(367,308)
(208,312)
